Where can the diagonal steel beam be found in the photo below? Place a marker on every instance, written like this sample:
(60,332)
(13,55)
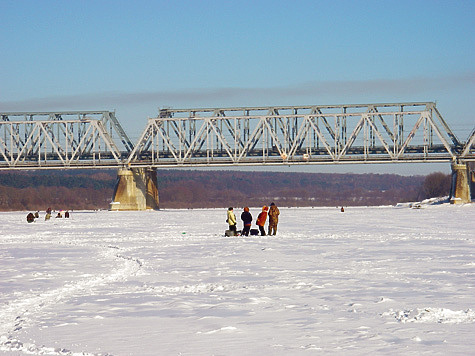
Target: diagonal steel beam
(469,144)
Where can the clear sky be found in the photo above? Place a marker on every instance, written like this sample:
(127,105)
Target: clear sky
(136,56)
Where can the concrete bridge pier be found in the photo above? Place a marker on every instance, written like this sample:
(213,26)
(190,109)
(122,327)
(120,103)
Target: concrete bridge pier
(136,189)
(460,188)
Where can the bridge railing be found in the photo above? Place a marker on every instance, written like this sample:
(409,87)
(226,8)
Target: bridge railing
(402,132)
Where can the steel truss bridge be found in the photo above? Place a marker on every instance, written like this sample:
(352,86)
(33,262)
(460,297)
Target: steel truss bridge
(288,135)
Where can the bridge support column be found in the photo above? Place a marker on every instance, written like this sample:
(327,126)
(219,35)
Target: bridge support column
(460,189)
(136,189)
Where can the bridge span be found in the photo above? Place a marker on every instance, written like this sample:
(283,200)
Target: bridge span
(287,135)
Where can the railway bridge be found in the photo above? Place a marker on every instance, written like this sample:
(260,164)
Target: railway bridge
(287,135)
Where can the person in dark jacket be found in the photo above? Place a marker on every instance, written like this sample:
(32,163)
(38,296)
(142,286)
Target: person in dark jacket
(246,218)
(30,218)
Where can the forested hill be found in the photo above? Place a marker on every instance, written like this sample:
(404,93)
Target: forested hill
(68,189)
(223,188)
(93,189)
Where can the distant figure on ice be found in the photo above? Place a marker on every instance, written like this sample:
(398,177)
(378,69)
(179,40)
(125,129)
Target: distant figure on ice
(273,219)
(59,215)
(246,218)
(30,218)
(231,220)
(37,214)
(48,211)
(342,209)
(66,214)
(261,220)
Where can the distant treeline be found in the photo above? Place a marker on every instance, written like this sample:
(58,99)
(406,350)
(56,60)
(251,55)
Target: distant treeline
(93,189)
(221,188)
(68,189)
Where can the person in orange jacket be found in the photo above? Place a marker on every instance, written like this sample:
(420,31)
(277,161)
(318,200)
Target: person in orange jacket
(261,220)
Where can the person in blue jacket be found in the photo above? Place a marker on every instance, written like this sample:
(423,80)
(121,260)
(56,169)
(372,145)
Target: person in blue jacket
(246,218)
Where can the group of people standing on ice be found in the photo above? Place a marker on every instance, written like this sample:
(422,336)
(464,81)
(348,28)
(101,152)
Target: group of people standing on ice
(31,217)
(246,218)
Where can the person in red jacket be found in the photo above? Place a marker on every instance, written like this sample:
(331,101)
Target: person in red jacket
(261,220)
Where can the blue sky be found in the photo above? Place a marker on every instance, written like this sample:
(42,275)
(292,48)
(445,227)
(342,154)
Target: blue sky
(136,56)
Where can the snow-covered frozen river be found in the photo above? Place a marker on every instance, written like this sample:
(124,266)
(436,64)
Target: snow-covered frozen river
(385,280)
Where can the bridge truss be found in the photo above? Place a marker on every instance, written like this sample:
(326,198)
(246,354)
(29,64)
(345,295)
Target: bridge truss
(334,134)
(62,140)
(375,133)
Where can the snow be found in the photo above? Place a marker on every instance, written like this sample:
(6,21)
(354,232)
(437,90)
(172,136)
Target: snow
(371,280)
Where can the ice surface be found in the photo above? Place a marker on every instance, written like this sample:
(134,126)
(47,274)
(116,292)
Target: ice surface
(385,280)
